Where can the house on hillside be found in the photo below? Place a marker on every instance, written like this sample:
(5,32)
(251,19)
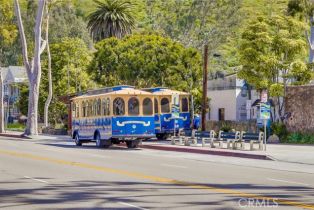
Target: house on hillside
(231,98)
(12,76)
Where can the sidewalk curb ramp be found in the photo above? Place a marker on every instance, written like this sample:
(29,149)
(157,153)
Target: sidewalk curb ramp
(207,152)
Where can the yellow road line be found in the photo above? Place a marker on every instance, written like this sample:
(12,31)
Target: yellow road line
(155,178)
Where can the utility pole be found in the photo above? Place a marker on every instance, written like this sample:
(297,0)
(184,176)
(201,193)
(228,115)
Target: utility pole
(1,104)
(204,103)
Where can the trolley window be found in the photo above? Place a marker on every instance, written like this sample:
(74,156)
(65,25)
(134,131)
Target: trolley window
(134,106)
(95,106)
(104,106)
(98,107)
(118,106)
(108,106)
(147,106)
(184,105)
(165,108)
(156,106)
(73,105)
(84,109)
(77,110)
(90,108)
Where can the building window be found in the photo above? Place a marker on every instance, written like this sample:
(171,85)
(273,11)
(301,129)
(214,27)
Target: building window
(156,106)
(134,106)
(221,114)
(118,106)
(184,105)
(147,106)
(165,106)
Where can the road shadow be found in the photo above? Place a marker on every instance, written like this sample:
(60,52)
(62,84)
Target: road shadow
(149,195)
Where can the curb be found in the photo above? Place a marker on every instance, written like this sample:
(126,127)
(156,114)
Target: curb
(207,152)
(14,136)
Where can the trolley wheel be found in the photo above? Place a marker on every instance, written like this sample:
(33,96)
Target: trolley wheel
(77,140)
(99,142)
(160,136)
(107,143)
(132,144)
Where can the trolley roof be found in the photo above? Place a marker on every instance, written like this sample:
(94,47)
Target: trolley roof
(164,91)
(125,90)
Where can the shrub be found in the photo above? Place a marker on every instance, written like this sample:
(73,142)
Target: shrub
(225,127)
(299,138)
(15,127)
(280,130)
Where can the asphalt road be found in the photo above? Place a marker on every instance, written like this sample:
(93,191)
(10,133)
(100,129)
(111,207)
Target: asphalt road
(55,174)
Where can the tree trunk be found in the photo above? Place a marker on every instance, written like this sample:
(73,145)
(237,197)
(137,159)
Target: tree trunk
(48,101)
(32,115)
(1,105)
(311,41)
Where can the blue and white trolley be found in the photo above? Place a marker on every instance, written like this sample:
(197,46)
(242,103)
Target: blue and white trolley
(172,112)
(113,115)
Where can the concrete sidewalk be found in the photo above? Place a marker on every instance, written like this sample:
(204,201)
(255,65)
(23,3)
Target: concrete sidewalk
(303,154)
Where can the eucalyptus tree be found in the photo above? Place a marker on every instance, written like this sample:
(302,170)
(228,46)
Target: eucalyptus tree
(32,65)
(48,101)
(112,18)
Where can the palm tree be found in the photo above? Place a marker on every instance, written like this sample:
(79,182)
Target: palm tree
(112,18)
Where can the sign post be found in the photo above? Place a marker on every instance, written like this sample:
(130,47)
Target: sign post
(265,115)
(175,112)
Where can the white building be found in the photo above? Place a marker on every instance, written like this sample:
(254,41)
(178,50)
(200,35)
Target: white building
(230,99)
(12,77)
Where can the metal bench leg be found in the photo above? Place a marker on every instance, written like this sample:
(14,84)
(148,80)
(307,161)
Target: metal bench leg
(180,140)
(173,141)
(203,142)
(186,142)
(243,145)
(195,141)
(234,144)
(228,144)
(212,143)
(251,145)
(261,145)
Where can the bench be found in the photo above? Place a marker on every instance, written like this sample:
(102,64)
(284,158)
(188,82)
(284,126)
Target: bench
(205,136)
(229,137)
(180,138)
(202,136)
(252,138)
(190,137)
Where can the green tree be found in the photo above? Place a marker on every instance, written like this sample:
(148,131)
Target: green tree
(112,18)
(69,61)
(304,9)
(8,33)
(146,60)
(271,53)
